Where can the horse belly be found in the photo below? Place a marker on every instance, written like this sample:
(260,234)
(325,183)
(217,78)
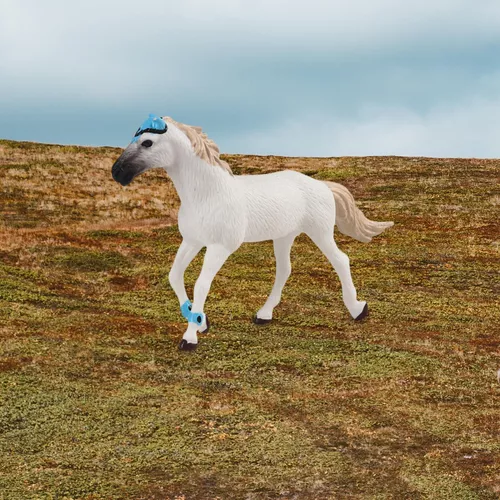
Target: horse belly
(218,223)
(274,209)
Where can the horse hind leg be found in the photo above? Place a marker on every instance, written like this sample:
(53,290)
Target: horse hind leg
(282,248)
(340,262)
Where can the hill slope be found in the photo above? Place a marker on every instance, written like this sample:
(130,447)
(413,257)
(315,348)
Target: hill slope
(97,403)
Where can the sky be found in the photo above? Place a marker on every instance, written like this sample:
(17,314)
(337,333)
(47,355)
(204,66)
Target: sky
(308,78)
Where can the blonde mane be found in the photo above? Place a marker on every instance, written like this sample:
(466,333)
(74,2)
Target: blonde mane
(204,148)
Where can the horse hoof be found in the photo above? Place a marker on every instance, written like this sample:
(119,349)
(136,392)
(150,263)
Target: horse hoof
(364,313)
(187,346)
(260,321)
(208,325)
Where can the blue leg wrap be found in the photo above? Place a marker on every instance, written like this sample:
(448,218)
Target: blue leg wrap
(186,309)
(192,317)
(198,318)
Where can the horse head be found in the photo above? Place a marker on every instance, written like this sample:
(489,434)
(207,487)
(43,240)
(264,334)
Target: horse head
(155,144)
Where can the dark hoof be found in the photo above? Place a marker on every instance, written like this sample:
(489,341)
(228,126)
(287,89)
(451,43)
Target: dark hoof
(364,313)
(260,321)
(208,325)
(186,346)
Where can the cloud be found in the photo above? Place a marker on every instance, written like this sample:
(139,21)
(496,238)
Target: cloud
(247,69)
(469,130)
(340,24)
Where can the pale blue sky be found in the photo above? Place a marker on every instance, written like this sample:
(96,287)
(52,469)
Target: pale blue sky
(315,78)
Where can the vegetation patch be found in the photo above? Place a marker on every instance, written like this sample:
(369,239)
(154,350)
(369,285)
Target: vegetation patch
(86,260)
(97,403)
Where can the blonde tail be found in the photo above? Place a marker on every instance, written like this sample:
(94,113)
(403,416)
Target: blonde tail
(350,219)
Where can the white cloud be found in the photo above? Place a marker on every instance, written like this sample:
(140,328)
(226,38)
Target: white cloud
(471,129)
(108,42)
(57,31)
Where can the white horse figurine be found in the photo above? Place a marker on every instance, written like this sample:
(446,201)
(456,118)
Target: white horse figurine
(221,211)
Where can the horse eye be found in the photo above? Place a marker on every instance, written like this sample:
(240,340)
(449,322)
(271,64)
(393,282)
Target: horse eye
(147,143)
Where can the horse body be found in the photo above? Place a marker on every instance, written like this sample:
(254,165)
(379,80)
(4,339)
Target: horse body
(276,204)
(252,208)
(221,211)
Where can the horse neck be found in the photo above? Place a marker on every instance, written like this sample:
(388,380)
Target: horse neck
(197,181)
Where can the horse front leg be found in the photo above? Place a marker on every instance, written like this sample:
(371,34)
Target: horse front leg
(215,257)
(185,254)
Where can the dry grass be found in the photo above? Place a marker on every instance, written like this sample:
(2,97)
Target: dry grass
(97,403)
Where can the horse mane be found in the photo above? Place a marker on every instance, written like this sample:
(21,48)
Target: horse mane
(204,147)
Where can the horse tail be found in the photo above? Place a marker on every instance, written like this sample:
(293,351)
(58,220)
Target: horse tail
(350,219)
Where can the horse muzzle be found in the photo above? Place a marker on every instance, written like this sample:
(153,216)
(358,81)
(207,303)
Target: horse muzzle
(123,172)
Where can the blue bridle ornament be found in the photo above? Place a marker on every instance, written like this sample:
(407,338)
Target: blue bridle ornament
(154,125)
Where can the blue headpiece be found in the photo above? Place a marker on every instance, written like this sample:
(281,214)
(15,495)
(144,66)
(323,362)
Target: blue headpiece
(154,125)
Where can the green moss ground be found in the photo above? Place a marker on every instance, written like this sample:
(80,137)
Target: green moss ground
(97,403)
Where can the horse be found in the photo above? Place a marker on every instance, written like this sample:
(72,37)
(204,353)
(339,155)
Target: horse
(220,211)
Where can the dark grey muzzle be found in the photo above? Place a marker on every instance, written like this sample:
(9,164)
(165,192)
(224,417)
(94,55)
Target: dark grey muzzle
(126,168)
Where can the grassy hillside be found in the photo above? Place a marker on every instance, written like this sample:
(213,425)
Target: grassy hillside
(96,402)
